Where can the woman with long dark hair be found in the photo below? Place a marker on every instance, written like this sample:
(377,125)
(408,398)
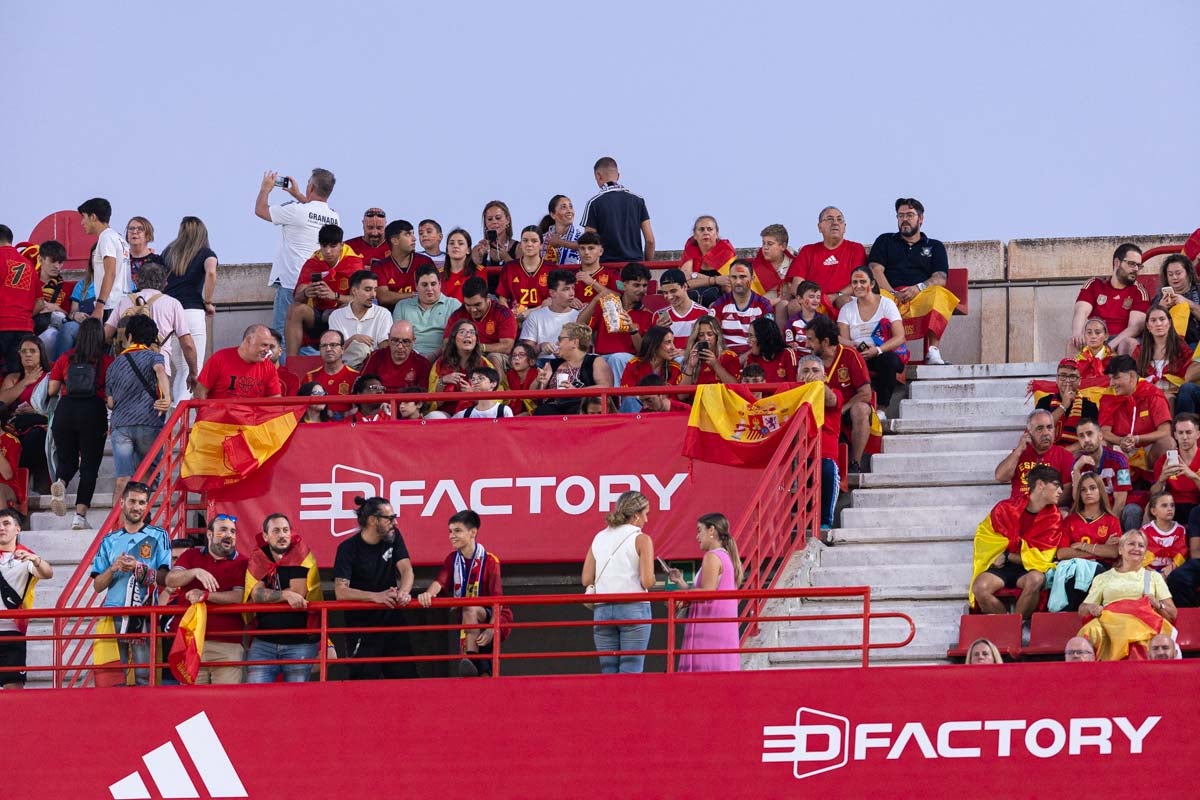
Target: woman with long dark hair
(1162,356)
(458,267)
(26,422)
(768,350)
(720,571)
(80,421)
(460,354)
(559,232)
(192,280)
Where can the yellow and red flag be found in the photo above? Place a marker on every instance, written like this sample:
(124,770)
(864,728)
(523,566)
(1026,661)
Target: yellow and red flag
(230,442)
(1124,630)
(928,312)
(1002,525)
(187,650)
(261,567)
(726,428)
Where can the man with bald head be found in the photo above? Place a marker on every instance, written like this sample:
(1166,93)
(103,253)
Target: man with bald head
(1079,649)
(1036,446)
(829,262)
(397,364)
(242,371)
(1162,648)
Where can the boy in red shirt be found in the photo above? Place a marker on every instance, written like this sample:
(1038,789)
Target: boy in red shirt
(324,285)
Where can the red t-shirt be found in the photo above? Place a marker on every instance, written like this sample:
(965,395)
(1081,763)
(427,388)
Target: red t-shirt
(1113,305)
(604,342)
(781,368)
(1181,487)
(368,253)
(58,372)
(735,322)
(229,573)
(1168,549)
(226,374)
(289,381)
(413,372)
(831,428)
(20,289)
(829,269)
(452,283)
(637,369)
(10,451)
(606,277)
(520,288)
(1058,457)
(729,362)
(848,372)
(1098,531)
(1147,403)
(400,281)
(340,382)
(336,278)
(498,323)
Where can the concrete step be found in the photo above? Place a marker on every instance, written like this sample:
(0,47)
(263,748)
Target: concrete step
(46,593)
(929,644)
(897,555)
(903,498)
(986,407)
(942,443)
(959,372)
(934,516)
(101,503)
(1014,388)
(878,536)
(896,576)
(953,423)
(954,461)
(978,475)
(51,522)
(59,547)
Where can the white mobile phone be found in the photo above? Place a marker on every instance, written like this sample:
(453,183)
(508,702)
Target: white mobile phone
(665,566)
(1172,458)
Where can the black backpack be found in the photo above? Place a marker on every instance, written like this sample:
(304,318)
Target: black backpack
(81,379)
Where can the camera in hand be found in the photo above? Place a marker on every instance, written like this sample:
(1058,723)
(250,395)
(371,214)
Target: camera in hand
(701,345)
(315,277)
(491,236)
(283,183)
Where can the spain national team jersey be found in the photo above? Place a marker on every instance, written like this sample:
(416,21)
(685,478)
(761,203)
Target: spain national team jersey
(735,321)
(336,277)
(520,287)
(498,323)
(340,382)
(369,254)
(1098,531)
(779,369)
(605,343)
(847,372)
(395,279)
(20,289)
(606,277)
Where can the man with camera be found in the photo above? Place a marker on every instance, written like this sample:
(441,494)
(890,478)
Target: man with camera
(299,220)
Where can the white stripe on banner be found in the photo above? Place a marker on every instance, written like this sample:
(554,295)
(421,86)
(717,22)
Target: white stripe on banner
(168,772)
(210,758)
(131,787)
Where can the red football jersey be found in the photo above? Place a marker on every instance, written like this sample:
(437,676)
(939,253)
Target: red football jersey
(848,372)
(368,253)
(780,368)
(498,323)
(520,288)
(728,360)
(735,322)
(1058,457)
(637,369)
(606,277)
(413,372)
(400,281)
(336,277)
(1098,531)
(1169,548)
(604,342)
(20,289)
(340,382)
(1113,305)
(831,428)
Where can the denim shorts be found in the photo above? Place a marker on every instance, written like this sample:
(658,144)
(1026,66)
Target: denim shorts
(130,444)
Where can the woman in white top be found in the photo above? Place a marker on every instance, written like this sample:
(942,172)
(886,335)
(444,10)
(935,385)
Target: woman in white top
(621,561)
(872,324)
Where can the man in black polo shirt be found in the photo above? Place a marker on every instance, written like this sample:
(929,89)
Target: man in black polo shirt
(373,567)
(619,216)
(912,268)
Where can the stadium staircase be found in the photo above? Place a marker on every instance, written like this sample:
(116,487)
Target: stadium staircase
(908,527)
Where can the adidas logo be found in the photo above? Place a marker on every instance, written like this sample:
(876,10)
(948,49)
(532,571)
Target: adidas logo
(831,261)
(170,776)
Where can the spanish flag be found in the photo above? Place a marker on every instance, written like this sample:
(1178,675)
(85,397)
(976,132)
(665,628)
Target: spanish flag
(717,260)
(187,650)
(262,568)
(1181,315)
(1124,630)
(1002,525)
(232,441)
(927,313)
(1091,364)
(726,428)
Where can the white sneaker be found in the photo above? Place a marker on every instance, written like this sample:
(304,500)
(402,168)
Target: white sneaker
(882,417)
(58,498)
(934,356)
(80,523)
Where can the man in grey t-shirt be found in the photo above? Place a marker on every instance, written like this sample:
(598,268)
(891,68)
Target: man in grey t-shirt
(139,395)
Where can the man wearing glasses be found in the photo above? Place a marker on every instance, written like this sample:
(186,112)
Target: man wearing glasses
(214,574)
(911,268)
(1118,299)
(371,245)
(373,566)
(827,263)
(1068,405)
(334,376)
(398,365)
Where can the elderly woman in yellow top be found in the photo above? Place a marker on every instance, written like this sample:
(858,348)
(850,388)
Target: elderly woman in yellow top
(1128,605)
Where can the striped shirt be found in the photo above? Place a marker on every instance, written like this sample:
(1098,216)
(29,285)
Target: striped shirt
(735,321)
(682,324)
(561,255)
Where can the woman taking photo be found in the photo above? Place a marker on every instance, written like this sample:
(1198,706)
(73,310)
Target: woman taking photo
(497,246)
(522,372)
(458,266)
(575,368)
(26,422)
(1124,588)
(460,354)
(872,324)
(1162,357)
(708,360)
(192,280)
(560,233)
(720,571)
(656,356)
(80,422)
(1179,294)
(767,349)
(621,561)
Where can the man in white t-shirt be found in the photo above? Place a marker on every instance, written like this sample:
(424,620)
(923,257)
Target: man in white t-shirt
(110,259)
(300,220)
(363,324)
(542,326)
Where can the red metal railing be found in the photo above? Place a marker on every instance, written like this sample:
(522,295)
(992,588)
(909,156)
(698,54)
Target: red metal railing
(83,636)
(778,516)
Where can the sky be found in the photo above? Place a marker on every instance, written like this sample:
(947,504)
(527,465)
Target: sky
(1007,120)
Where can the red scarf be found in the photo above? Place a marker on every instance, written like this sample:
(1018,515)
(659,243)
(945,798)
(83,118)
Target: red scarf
(716,259)
(766,273)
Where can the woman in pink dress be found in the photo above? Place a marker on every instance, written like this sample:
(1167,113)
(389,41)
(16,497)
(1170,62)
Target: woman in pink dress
(721,570)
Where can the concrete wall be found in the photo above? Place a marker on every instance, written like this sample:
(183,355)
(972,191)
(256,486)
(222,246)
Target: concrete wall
(1021,296)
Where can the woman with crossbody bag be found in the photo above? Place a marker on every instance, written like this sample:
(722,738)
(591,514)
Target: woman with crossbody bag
(80,422)
(621,561)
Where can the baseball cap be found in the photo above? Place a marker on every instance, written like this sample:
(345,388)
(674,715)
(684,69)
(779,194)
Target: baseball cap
(1069,362)
(671,276)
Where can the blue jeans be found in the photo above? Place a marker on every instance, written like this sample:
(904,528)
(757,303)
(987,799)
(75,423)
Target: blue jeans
(270,651)
(830,484)
(65,339)
(621,637)
(136,651)
(283,301)
(131,444)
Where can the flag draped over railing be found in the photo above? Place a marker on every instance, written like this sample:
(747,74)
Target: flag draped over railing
(227,443)
(727,428)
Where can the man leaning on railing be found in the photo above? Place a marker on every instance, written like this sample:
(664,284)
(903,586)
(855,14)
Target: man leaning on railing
(130,563)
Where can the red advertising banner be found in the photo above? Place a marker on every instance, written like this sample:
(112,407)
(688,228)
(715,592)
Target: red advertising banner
(540,485)
(994,731)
